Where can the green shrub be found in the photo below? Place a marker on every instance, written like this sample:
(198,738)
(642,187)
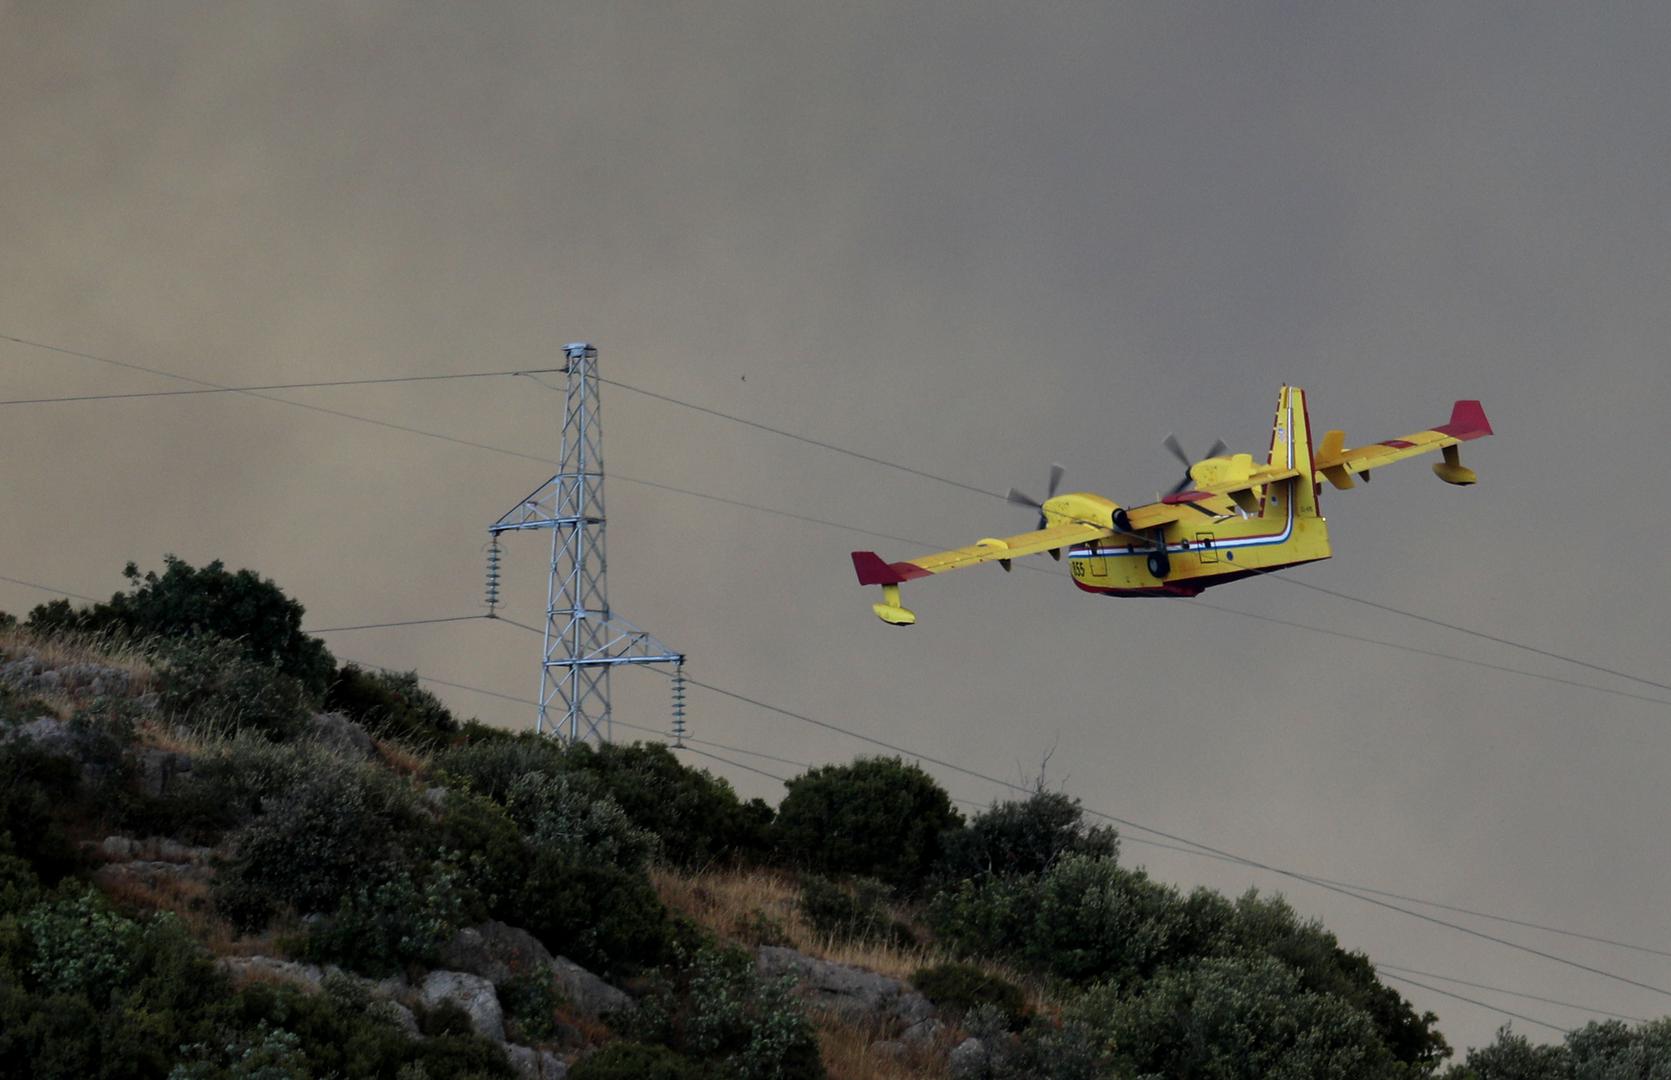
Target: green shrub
(636,1061)
(184,601)
(992,917)
(571,812)
(697,817)
(601,916)
(1099,921)
(214,683)
(378,929)
(499,856)
(391,705)
(962,987)
(79,946)
(858,912)
(317,840)
(721,1012)
(531,1001)
(34,787)
(1023,837)
(875,817)
(1237,1019)
(490,766)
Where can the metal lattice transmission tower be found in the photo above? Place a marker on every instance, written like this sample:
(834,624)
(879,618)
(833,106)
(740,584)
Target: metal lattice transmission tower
(584,639)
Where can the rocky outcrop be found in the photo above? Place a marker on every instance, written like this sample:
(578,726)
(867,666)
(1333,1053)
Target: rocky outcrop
(495,951)
(343,735)
(853,993)
(969,1059)
(49,735)
(473,994)
(161,771)
(498,953)
(28,673)
(536,1064)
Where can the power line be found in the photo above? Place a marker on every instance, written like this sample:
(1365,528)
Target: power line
(792,435)
(864,457)
(405,622)
(48,589)
(1481,1004)
(1243,860)
(1512,993)
(1477,633)
(1550,654)
(270,386)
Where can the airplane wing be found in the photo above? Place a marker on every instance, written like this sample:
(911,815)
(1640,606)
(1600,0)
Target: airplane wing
(1467,422)
(873,570)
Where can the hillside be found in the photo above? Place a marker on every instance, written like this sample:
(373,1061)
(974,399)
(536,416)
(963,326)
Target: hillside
(221,855)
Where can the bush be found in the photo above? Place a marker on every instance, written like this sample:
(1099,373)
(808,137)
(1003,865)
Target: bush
(391,705)
(720,1011)
(324,835)
(570,812)
(378,929)
(698,818)
(185,602)
(1097,920)
(531,1001)
(33,785)
(962,987)
(856,913)
(636,1061)
(1236,1019)
(490,766)
(214,682)
(1024,837)
(603,917)
(876,817)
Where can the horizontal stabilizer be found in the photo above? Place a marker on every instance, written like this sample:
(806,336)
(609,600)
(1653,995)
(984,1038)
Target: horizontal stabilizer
(873,571)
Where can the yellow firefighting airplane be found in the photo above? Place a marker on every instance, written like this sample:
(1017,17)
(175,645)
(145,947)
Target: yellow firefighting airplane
(1240,519)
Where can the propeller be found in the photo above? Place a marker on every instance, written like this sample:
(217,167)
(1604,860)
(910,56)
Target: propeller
(1022,499)
(1171,442)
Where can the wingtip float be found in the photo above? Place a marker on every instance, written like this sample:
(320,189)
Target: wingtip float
(1239,518)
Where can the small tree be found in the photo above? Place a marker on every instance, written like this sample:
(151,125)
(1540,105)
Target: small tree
(1024,837)
(184,601)
(878,817)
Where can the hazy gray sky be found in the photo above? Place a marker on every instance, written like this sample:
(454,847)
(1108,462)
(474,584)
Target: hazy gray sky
(970,238)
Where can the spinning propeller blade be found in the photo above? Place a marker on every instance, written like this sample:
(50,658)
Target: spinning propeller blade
(1171,443)
(1021,498)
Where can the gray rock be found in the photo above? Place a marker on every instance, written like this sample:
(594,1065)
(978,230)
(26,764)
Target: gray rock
(850,992)
(589,994)
(922,1032)
(536,1064)
(343,735)
(160,771)
(969,1059)
(473,994)
(495,951)
(49,735)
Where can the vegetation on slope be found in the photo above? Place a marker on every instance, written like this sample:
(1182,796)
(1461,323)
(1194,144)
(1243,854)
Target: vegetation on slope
(186,710)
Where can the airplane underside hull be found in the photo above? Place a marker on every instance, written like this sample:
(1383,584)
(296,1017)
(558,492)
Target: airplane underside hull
(1189,587)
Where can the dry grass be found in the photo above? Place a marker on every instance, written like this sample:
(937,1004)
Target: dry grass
(189,901)
(762,907)
(62,650)
(850,1052)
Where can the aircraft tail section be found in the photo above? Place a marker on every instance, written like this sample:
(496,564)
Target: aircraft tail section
(1291,448)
